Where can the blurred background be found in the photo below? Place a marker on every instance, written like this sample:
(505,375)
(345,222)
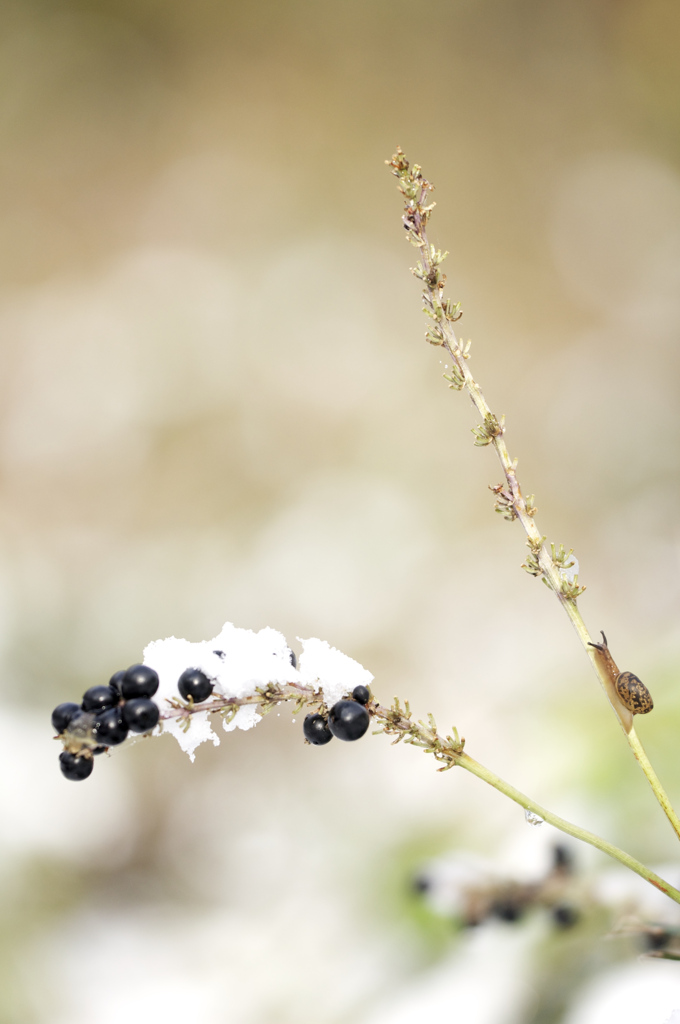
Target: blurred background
(217,405)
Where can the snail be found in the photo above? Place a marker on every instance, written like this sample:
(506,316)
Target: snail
(630,690)
(634,694)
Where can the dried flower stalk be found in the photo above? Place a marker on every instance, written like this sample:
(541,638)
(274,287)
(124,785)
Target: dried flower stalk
(551,565)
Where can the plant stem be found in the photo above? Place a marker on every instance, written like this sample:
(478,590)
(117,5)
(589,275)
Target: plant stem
(607,678)
(659,791)
(397,721)
(511,502)
(624,858)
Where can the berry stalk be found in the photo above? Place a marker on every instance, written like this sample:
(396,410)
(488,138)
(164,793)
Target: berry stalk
(342,710)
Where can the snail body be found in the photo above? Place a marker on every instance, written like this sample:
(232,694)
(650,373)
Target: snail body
(630,690)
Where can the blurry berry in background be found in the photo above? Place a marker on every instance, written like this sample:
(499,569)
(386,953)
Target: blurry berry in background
(362,694)
(116,681)
(109,727)
(565,916)
(315,728)
(656,937)
(507,910)
(141,714)
(348,720)
(75,766)
(99,698)
(139,681)
(194,683)
(563,859)
(62,715)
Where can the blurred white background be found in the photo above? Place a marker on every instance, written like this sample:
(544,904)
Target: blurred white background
(217,405)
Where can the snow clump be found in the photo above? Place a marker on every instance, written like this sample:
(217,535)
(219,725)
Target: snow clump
(327,669)
(238,662)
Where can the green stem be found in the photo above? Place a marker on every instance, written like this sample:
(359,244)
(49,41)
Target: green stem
(470,765)
(624,716)
(659,791)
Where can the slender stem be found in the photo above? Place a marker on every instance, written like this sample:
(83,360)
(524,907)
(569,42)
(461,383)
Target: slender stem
(659,791)
(607,678)
(470,765)
(600,665)
(541,562)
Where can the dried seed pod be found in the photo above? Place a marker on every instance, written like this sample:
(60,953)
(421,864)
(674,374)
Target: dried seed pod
(634,694)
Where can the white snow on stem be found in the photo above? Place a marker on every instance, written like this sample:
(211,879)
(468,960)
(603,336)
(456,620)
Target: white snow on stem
(245,718)
(238,662)
(200,731)
(327,669)
(249,660)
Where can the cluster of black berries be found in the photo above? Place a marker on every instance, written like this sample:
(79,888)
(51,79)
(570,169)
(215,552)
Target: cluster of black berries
(347,720)
(105,717)
(510,900)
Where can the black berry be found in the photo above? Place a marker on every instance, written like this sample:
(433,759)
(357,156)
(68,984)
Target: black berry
(75,766)
(362,694)
(140,714)
(109,727)
(194,683)
(348,720)
(139,681)
(116,681)
(315,728)
(62,715)
(99,698)
(293,658)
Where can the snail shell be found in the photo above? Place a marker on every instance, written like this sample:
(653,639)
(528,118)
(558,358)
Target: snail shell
(634,694)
